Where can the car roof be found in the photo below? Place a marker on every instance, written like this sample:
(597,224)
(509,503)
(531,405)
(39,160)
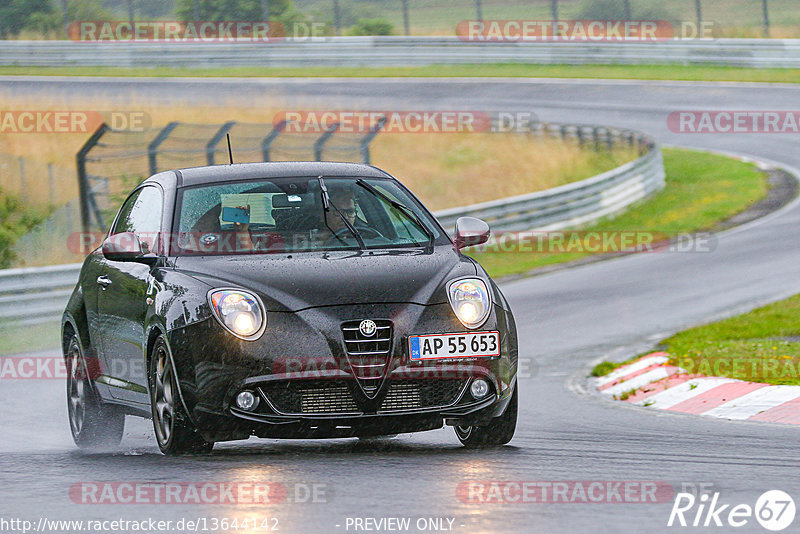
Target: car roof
(273,169)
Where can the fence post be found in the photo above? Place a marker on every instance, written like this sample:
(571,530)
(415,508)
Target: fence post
(319,143)
(211,147)
(95,209)
(267,142)
(368,139)
(83,180)
(152,148)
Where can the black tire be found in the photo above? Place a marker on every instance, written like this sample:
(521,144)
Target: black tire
(498,432)
(94,425)
(174,431)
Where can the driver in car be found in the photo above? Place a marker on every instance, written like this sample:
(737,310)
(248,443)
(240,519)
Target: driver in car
(332,224)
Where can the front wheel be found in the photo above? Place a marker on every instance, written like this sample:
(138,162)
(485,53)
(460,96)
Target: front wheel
(94,424)
(498,432)
(175,433)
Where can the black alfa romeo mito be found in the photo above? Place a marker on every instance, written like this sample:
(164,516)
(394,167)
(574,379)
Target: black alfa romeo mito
(288,300)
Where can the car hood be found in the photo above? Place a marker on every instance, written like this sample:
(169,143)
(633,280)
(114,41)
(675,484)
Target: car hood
(305,280)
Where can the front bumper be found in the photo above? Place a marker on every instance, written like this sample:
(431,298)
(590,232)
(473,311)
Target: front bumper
(239,424)
(300,371)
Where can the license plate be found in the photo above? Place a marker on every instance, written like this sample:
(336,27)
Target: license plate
(437,346)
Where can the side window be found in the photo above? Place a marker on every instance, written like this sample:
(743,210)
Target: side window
(141,214)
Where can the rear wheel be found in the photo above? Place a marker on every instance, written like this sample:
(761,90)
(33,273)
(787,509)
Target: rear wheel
(498,432)
(175,433)
(94,424)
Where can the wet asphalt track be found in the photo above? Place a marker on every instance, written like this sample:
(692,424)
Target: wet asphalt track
(567,319)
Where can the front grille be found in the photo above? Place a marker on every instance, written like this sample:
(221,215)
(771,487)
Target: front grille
(413,394)
(310,397)
(368,356)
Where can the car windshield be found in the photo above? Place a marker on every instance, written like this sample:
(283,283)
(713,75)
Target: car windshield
(289,214)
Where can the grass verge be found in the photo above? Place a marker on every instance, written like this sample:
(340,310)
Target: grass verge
(500,70)
(702,190)
(761,346)
(29,338)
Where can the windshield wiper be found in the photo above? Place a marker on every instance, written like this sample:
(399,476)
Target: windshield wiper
(326,206)
(413,217)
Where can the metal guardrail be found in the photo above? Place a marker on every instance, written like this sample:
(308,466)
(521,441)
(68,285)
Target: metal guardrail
(400,51)
(36,295)
(571,205)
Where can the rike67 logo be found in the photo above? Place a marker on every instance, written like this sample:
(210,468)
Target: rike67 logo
(774,510)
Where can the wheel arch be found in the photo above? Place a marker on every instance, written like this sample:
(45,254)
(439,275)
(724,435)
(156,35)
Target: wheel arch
(154,332)
(75,322)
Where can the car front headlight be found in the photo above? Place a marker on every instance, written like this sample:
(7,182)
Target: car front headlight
(470,301)
(239,312)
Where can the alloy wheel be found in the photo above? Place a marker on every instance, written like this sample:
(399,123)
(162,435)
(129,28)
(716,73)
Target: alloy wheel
(76,388)
(164,394)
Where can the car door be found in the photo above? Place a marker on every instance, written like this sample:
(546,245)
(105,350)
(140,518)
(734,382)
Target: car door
(122,299)
(93,268)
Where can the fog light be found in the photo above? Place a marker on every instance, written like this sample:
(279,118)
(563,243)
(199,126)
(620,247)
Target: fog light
(479,388)
(246,400)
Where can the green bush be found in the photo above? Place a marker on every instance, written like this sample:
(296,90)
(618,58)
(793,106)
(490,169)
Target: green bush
(615,10)
(372,27)
(17,15)
(15,221)
(231,10)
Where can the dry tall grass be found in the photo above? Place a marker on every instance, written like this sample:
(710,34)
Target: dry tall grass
(444,170)
(447,170)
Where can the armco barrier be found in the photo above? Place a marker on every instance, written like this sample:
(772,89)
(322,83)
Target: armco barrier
(36,295)
(570,205)
(400,51)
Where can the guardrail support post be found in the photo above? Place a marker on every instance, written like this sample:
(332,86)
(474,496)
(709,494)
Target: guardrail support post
(579,132)
(83,180)
(323,139)
(268,140)
(211,147)
(152,148)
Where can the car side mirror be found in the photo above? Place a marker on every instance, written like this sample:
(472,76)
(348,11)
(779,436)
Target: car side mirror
(127,246)
(471,231)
